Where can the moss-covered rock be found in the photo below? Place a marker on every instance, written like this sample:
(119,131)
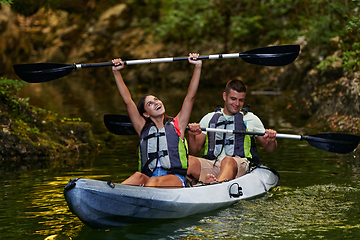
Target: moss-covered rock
(30,132)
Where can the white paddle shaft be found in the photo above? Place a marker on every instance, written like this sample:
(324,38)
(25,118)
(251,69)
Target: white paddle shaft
(278,135)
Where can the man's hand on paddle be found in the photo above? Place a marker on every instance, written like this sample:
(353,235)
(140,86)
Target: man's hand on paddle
(268,141)
(270,135)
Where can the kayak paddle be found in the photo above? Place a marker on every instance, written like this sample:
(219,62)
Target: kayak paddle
(266,56)
(331,142)
(119,124)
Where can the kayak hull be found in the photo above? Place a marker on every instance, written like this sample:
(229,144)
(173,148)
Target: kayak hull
(102,205)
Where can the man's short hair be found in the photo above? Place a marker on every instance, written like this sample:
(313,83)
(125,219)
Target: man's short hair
(236,85)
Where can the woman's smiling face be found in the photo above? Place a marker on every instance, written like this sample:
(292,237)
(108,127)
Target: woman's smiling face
(153,107)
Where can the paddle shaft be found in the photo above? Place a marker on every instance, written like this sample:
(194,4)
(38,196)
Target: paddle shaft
(331,142)
(165,60)
(288,136)
(278,135)
(117,122)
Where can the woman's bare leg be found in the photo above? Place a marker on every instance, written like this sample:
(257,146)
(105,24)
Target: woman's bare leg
(167,181)
(137,179)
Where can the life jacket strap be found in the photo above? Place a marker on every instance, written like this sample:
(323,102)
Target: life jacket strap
(226,122)
(157,155)
(224,142)
(156,134)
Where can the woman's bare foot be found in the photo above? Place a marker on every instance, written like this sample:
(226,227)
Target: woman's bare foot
(210,178)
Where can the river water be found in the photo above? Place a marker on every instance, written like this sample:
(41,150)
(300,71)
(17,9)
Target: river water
(316,198)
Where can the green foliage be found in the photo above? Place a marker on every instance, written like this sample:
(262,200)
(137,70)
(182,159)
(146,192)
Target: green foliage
(183,20)
(71,120)
(8,2)
(351,44)
(253,22)
(9,86)
(25,128)
(229,24)
(318,20)
(232,23)
(324,65)
(33,130)
(352,58)
(194,22)
(9,101)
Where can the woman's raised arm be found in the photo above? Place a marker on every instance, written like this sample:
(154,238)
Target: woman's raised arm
(185,112)
(136,119)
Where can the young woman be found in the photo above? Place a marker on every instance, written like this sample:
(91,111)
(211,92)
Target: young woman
(163,152)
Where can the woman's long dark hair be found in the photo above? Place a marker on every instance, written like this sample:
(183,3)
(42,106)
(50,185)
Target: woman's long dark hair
(141,109)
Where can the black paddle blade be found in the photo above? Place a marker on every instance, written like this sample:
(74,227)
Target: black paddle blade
(42,72)
(272,56)
(334,142)
(119,124)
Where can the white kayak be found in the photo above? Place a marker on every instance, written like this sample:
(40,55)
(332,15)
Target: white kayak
(101,204)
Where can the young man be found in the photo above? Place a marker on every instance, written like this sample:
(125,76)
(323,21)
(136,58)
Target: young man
(227,155)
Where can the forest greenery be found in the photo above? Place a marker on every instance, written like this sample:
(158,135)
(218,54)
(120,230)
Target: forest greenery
(9,2)
(8,86)
(231,23)
(351,44)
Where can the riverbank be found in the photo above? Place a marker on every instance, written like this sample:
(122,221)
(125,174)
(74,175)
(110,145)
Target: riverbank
(28,132)
(319,92)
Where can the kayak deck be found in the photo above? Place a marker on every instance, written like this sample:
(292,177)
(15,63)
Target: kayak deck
(102,205)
